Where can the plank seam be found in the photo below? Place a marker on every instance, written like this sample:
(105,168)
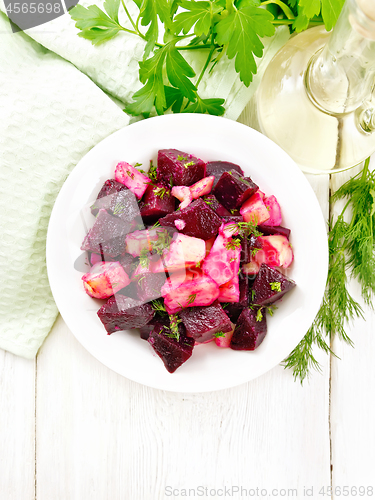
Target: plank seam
(330,371)
(35,428)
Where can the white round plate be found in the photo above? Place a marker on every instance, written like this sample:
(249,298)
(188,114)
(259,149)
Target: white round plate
(209,138)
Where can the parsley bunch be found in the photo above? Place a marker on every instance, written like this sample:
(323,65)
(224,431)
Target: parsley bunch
(218,27)
(351,255)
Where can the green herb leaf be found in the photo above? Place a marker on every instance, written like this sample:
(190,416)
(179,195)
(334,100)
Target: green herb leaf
(210,106)
(259,315)
(240,31)
(174,98)
(179,72)
(95,24)
(233,244)
(149,11)
(198,14)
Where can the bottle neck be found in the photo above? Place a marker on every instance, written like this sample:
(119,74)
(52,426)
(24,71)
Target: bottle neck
(341,75)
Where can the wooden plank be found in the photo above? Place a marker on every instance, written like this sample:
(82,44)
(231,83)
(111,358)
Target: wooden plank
(17,427)
(352,401)
(104,437)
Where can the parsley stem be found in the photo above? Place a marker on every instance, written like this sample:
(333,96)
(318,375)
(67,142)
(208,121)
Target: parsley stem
(129,17)
(283,6)
(208,60)
(278,22)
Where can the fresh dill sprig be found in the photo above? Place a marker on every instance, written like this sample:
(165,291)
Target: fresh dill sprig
(144,257)
(163,241)
(233,243)
(152,171)
(160,191)
(351,255)
(159,307)
(245,229)
(173,331)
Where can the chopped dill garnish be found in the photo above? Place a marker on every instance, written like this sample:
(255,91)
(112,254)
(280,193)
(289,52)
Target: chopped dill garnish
(157,224)
(259,315)
(191,298)
(159,307)
(181,158)
(219,334)
(245,229)
(144,258)
(190,164)
(163,241)
(119,209)
(161,191)
(233,244)
(152,173)
(276,286)
(173,331)
(138,165)
(209,202)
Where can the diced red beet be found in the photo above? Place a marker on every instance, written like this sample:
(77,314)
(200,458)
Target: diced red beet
(123,313)
(233,219)
(179,168)
(250,331)
(233,310)
(216,168)
(110,187)
(269,230)
(201,221)
(232,190)
(128,262)
(269,286)
(145,331)
(107,236)
(202,323)
(122,204)
(156,202)
(216,206)
(149,286)
(172,352)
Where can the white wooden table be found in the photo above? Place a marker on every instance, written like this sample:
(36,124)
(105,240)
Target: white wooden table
(71,429)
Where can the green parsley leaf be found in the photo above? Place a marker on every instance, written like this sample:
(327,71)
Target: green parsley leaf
(179,72)
(95,24)
(198,14)
(174,98)
(331,11)
(210,106)
(149,12)
(240,31)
